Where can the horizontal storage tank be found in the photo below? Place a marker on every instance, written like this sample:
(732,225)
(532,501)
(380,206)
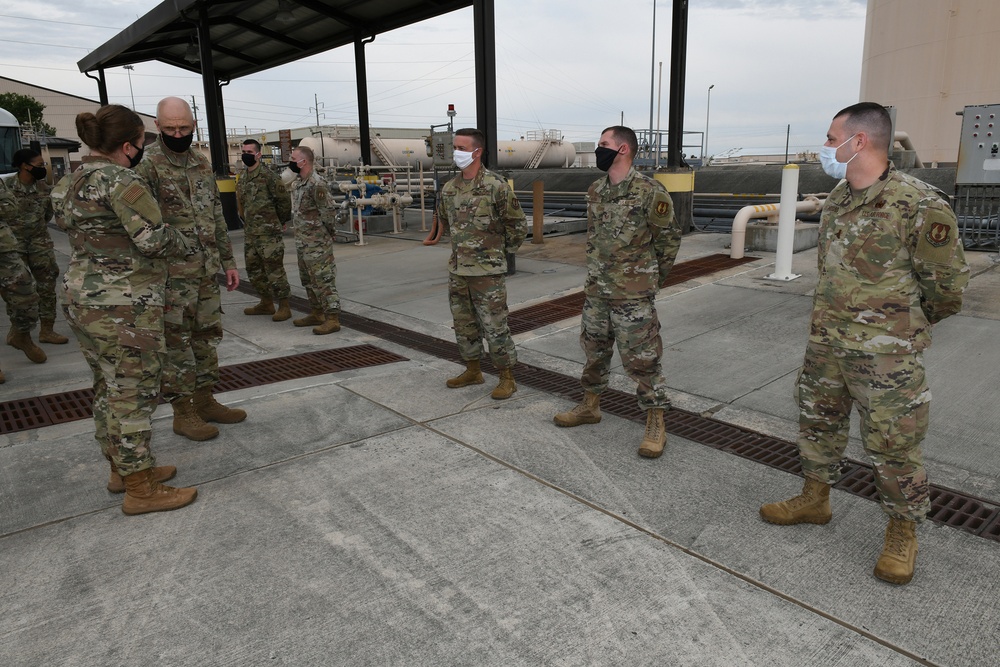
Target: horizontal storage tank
(401,152)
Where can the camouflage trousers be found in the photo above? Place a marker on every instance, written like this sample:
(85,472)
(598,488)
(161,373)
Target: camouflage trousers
(318,273)
(38,254)
(17,287)
(265,260)
(891,395)
(125,362)
(192,327)
(479,310)
(633,325)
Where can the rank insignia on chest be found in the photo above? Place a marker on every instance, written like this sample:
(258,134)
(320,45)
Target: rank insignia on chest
(662,208)
(939,234)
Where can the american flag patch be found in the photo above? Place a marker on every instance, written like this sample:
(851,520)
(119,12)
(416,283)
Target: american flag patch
(133,193)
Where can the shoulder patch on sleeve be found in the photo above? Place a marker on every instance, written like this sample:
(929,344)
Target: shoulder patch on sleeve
(321,194)
(133,193)
(662,210)
(938,234)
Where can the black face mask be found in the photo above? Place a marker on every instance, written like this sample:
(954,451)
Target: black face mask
(294,166)
(177,144)
(248,159)
(134,161)
(605,157)
(38,173)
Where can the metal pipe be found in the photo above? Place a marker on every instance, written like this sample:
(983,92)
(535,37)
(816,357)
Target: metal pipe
(736,251)
(904,140)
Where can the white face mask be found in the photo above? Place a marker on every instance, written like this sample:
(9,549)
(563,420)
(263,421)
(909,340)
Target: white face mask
(463,158)
(828,158)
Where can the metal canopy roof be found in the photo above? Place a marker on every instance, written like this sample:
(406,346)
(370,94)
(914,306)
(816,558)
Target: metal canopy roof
(247,36)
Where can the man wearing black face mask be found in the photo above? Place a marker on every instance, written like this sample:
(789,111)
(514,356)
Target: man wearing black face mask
(632,241)
(265,206)
(30,228)
(183,183)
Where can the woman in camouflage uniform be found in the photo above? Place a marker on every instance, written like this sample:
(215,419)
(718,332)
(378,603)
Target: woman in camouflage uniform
(113,296)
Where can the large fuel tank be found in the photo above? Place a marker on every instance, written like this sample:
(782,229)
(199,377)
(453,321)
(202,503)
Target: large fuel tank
(517,154)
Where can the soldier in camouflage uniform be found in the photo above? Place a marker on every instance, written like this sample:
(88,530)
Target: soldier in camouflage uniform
(891,265)
(30,227)
(314,216)
(17,286)
(482,215)
(632,242)
(265,206)
(183,184)
(113,300)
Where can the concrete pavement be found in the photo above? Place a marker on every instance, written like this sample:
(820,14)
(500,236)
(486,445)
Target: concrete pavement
(375,517)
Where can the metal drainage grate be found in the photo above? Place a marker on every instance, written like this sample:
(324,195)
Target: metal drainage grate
(31,413)
(571,305)
(978,516)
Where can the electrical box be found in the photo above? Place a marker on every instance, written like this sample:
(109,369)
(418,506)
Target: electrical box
(440,149)
(977,179)
(979,146)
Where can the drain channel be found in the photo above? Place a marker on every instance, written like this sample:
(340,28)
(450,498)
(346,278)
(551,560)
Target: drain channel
(36,412)
(948,507)
(565,307)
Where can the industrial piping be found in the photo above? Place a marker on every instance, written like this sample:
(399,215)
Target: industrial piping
(810,204)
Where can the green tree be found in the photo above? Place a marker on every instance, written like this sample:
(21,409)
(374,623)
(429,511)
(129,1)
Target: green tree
(24,107)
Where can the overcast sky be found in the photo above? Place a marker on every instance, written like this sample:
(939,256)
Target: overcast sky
(572,65)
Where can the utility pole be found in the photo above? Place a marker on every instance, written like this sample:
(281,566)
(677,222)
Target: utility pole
(322,147)
(128,69)
(194,108)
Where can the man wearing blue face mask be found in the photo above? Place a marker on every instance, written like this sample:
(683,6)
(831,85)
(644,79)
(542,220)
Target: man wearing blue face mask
(486,224)
(891,265)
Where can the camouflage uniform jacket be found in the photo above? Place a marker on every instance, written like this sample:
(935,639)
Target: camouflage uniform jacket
(34,209)
(184,186)
(485,222)
(263,200)
(313,208)
(8,217)
(632,237)
(891,264)
(13,270)
(118,240)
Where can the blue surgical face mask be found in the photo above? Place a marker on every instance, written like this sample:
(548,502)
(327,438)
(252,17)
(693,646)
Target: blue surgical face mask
(828,158)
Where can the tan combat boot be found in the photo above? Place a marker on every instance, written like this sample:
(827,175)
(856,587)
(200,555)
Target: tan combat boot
(588,412)
(284,311)
(315,318)
(330,325)
(209,409)
(189,424)
(655,438)
(10,335)
(265,307)
(22,341)
(811,506)
(116,483)
(506,387)
(144,494)
(472,375)
(47,335)
(899,555)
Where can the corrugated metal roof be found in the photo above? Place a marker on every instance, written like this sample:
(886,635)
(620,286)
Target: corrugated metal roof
(247,36)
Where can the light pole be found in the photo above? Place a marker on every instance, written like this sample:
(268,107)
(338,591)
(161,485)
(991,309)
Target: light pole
(129,69)
(708,110)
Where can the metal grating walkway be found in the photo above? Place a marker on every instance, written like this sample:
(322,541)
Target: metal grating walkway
(571,305)
(29,413)
(952,508)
